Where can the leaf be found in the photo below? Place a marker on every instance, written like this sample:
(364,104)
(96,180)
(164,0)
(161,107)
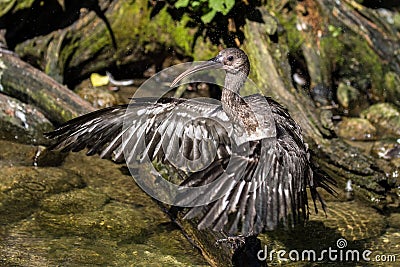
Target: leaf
(207,18)
(98,80)
(195,3)
(181,3)
(223,6)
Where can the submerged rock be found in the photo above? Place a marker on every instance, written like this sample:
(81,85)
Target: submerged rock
(113,220)
(22,188)
(386,117)
(83,213)
(76,201)
(356,129)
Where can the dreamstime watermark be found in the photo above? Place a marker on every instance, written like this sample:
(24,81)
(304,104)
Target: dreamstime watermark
(174,121)
(332,254)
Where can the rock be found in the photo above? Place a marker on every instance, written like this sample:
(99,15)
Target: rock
(386,149)
(349,220)
(48,158)
(392,88)
(21,189)
(99,97)
(394,220)
(76,201)
(14,154)
(350,98)
(26,244)
(22,122)
(356,129)
(82,213)
(322,95)
(22,81)
(271,24)
(386,117)
(114,220)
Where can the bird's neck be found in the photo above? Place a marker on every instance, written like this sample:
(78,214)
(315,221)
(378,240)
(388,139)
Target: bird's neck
(230,93)
(235,81)
(229,101)
(234,105)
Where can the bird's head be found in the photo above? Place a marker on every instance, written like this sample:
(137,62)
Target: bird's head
(232,60)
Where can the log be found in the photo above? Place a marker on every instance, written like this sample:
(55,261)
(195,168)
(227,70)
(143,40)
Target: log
(28,84)
(118,35)
(271,71)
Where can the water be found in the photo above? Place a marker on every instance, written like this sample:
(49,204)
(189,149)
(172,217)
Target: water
(88,211)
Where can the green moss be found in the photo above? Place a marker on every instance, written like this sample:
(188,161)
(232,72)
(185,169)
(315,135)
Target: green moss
(5,6)
(294,38)
(14,5)
(135,32)
(391,88)
(332,49)
(369,60)
(147,31)
(352,59)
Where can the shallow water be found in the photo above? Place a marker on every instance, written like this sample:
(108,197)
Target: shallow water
(348,226)
(88,211)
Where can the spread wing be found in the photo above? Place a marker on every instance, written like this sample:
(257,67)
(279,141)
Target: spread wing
(271,189)
(188,131)
(260,189)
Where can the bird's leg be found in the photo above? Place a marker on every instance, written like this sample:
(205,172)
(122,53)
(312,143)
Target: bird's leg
(232,241)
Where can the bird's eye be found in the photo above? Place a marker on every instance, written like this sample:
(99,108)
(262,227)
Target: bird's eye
(230,58)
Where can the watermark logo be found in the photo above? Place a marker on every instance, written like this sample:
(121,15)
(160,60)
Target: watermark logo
(341,243)
(330,254)
(201,120)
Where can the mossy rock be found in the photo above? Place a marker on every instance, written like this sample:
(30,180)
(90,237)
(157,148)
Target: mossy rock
(385,116)
(99,97)
(351,98)
(115,220)
(392,88)
(356,129)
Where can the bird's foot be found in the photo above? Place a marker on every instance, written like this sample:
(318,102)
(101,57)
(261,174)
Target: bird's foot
(232,241)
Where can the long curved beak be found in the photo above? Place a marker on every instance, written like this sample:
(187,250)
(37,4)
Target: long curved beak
(211,64)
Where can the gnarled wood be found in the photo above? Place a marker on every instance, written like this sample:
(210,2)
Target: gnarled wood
(22,81)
